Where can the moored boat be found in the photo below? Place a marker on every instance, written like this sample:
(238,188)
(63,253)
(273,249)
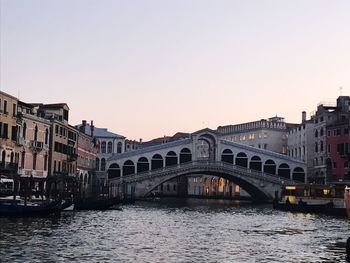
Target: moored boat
(347,200)
(20,208)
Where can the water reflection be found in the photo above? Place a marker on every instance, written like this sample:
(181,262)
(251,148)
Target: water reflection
(184,231)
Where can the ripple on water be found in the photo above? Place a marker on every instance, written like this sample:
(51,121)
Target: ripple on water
(194,231)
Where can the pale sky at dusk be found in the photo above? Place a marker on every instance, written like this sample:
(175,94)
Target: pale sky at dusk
(150,68)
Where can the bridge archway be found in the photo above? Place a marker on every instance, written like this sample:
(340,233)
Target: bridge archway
(242,160)
(270,167)
(284,170)
(227,156)
(113,171)
(206,146)
(255,163)
(142,165)
(170,158)
(157,162)
(211,186)
(128,168)
(185,155)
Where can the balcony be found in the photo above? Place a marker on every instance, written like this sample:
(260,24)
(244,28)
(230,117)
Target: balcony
(36,145)
(20,141)
(72,157)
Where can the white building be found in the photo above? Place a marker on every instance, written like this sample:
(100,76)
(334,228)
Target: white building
(268,134)
(107,144)
(301,142)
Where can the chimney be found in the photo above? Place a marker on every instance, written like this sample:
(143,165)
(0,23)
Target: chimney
(92,128)
(303,116)
(140,140)
(82,127)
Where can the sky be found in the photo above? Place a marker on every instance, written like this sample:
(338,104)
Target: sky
(149,68)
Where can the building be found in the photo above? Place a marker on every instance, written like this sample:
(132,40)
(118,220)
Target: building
(63,154)
(86,163)
(33,135)
(330,121)
(337,142)
(270,134)
(107,144)
(9,148)
(301,143)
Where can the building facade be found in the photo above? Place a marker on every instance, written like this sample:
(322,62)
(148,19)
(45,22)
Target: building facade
(106,144)
(9,148)
(301,144)
(86,164)
(270,134)
(33,135)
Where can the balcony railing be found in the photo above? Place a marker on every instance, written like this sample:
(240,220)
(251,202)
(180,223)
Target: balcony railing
(36,145)
(72,157)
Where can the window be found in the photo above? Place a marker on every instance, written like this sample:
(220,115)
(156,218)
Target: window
(316,147)
(47,136)
(23,159)
(54,166)
(5,107)
(24,131)
(36,133)
(338,131)
(265,146)
(103,147)
(328,148)
(110,146)
(328,133)
(14,109)
(119,147)
(321,132)
(97,164)
(321,146)
(334,165)
(34,161)
(5,131)
(45,163)
(316,133)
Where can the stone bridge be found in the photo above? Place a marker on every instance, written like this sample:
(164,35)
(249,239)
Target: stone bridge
(259,172)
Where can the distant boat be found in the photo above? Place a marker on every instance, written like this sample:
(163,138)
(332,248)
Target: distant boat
(20,208)
(347,200)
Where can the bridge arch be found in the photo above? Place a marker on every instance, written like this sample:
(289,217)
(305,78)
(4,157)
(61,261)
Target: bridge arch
(255,163)
(227,156)
(270,167)
(157,162)
(210,186)
(299,174)
(206,145)
(142,165)
(185,155)
(114,171)
(128,168)
(284,170)
(242,160)
(170,158)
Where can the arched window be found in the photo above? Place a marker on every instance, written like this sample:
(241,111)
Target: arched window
(47,136)
(113,171)
(110,147)
(316,133)
(36,133)
(255,163)
(185,155)
(128,167)
(270,167)
(227,156)
(119,147)
(242,160)
(24,131)
(157,162)
(103,164)
(103,147)
(142,165)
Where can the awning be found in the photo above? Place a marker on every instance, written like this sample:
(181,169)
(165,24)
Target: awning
(6,180)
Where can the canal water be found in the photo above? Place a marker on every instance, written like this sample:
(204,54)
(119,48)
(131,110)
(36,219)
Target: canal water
(176,231)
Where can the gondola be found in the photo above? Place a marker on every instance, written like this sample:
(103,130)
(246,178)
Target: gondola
(20,208)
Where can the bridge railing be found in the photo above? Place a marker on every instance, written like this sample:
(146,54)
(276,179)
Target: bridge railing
(211,166)
(262,151)
(151,149)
